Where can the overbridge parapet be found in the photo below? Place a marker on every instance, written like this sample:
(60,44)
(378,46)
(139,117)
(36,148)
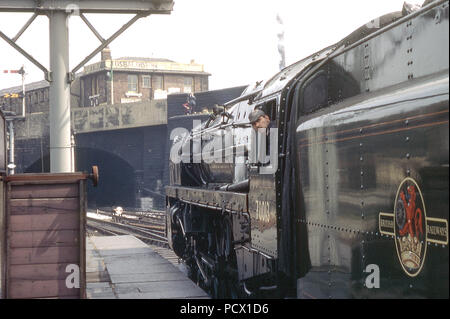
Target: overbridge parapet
(99,118)
(119,116)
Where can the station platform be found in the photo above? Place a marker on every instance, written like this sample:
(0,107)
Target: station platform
(123,267)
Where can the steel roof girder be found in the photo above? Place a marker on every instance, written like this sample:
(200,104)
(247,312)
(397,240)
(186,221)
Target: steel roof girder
(89,6)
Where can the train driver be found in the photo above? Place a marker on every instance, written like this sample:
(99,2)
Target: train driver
(259,119)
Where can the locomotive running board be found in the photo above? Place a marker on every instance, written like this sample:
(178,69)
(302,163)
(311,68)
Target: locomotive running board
(214,199)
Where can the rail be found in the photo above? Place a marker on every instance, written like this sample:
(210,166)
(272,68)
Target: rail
(147,226)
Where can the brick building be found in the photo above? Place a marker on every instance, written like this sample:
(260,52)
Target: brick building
(129,80)
(116,81)
(37,97)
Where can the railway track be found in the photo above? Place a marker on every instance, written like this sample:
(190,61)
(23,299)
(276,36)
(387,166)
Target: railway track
(154,237)
(94,230)
(155,220)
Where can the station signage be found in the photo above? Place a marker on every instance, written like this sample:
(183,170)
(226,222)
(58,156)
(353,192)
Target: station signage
(117,65)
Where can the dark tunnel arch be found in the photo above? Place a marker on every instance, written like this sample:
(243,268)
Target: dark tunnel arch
(117,182)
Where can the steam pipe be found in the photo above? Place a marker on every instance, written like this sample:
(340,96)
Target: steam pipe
(242,186)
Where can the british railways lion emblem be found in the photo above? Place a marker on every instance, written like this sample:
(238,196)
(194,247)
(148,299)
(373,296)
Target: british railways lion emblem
(411,228)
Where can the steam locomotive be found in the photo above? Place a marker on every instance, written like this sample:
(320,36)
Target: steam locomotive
(346,196)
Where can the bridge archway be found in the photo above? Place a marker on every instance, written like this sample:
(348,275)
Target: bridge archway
(117,185)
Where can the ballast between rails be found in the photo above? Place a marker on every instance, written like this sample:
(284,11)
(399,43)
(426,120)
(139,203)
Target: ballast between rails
(113,228)
(134,212)
(155,218)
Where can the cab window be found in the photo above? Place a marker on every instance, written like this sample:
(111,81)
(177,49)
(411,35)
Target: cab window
(270,108)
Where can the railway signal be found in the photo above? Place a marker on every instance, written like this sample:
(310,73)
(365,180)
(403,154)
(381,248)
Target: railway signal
(21,71)
(18,95)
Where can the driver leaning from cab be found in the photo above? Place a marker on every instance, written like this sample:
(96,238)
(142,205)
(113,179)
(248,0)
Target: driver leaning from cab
(259,119)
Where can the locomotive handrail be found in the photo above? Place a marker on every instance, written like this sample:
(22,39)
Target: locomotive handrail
(242,98)
(213,128)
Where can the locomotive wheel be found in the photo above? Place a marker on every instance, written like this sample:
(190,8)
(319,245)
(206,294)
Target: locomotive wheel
(224,238)
(234,291)
(227,237)
(220,249)
(179,245)
(200,281)
(192,272)
(218,288)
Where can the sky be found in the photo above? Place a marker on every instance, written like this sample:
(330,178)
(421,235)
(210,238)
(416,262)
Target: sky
(235,40)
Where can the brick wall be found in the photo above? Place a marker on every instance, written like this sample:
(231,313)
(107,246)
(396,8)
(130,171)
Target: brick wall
(94,84)
(120,81)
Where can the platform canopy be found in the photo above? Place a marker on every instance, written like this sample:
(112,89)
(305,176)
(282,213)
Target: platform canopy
(89,6)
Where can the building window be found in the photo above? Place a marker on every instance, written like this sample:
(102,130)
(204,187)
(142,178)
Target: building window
(132,83)
(188,83)
(158,82)
(146,81)
(94,85)
(204,83)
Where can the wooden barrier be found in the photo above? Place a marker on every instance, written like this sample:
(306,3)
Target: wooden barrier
(43,236)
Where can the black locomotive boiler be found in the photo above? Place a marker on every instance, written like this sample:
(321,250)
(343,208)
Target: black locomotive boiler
(351,197)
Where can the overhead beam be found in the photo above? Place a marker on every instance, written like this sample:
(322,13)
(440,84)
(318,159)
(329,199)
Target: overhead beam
(90,26)
(89,6)
(107,42)
(25,27)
